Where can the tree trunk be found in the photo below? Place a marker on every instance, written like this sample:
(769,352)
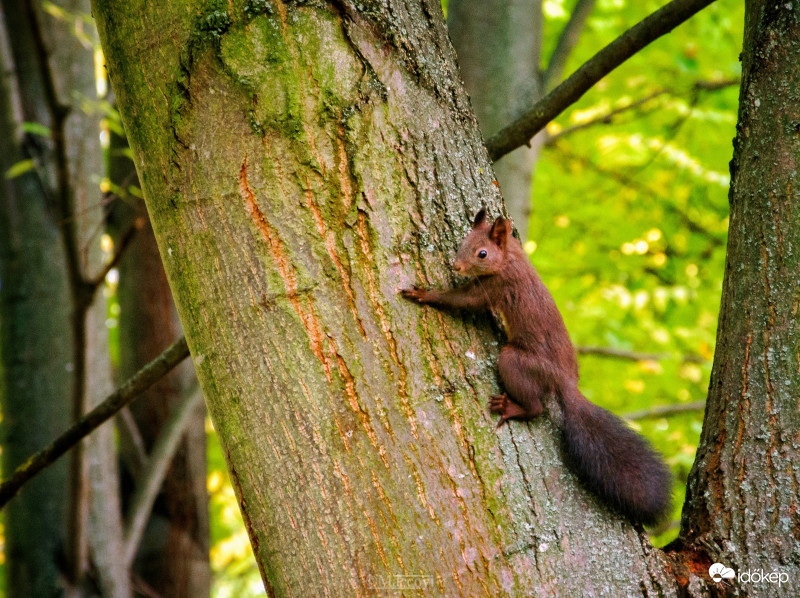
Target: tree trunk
(499,46)
(36,369)
(300,165)
(740,507)
(173,556)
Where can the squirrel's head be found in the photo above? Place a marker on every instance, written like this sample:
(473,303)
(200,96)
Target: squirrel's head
(483,251)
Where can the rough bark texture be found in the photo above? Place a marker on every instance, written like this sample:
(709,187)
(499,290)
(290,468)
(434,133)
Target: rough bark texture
(499,53)
(36,368)
(741,506)
(173,557)
(301,163)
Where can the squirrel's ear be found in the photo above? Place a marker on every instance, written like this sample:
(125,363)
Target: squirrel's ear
(500,231)
(480,218)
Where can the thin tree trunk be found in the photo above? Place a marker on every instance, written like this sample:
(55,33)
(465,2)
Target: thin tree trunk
(742,494)
(499,46)
(36,344)
(300,165)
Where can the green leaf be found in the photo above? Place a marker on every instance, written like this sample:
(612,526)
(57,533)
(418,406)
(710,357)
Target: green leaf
(20,168)
(36,129)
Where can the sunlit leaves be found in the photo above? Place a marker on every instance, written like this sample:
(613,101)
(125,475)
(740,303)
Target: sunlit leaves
(20,168)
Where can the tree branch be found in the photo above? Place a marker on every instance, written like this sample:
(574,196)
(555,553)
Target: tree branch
(603,119)
(62,197)
(156,470)
(135,457)
(628,181)
(665,411)
(123,244)
(138,383)
(716,85)
(636,356)
(606,60)
(566,42)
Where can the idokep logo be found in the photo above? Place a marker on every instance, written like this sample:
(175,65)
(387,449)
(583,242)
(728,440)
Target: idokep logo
(718,572)
(721,574)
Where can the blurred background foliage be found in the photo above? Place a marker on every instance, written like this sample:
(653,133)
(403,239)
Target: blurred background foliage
(628,230)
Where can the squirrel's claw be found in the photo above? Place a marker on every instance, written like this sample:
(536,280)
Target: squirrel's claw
(414,294)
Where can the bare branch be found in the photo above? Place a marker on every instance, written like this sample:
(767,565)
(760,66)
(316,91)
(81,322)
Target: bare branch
(717,84)
(566,42)
(135,457)
(606,60)
(603,119)
(119,251)
(665,411)
(136,385)
(636,356)
(156,470)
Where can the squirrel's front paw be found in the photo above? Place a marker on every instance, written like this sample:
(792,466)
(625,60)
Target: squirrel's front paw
(416,294)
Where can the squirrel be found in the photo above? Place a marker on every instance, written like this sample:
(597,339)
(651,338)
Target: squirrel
(539,360)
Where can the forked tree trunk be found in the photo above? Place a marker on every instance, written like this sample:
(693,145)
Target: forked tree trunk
(301,163)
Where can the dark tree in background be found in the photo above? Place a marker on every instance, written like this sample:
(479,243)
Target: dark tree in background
(67,532)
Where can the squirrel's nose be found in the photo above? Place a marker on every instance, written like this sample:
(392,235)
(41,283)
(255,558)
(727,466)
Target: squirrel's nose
(458,266)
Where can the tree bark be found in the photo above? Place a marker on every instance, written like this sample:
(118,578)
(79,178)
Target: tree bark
(301,164)
(741,500)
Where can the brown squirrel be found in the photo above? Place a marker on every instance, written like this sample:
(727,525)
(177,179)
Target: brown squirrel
(539,360)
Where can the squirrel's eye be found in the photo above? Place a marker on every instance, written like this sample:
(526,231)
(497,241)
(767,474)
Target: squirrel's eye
(482,253)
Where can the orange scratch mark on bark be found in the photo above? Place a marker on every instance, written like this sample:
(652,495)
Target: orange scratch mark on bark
(311,324)
(344,175)
(276,247)
(384,499)
(309,319)
(376,536)
(352,399)
(288,435)
(287,507)
(330,245)
(344,478)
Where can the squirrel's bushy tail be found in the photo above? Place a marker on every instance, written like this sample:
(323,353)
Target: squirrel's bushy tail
(614,461)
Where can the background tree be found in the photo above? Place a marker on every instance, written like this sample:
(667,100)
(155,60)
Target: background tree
(172,557)
(499,46)
(65,534)
(742,494)
(37,366)
(46,92)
